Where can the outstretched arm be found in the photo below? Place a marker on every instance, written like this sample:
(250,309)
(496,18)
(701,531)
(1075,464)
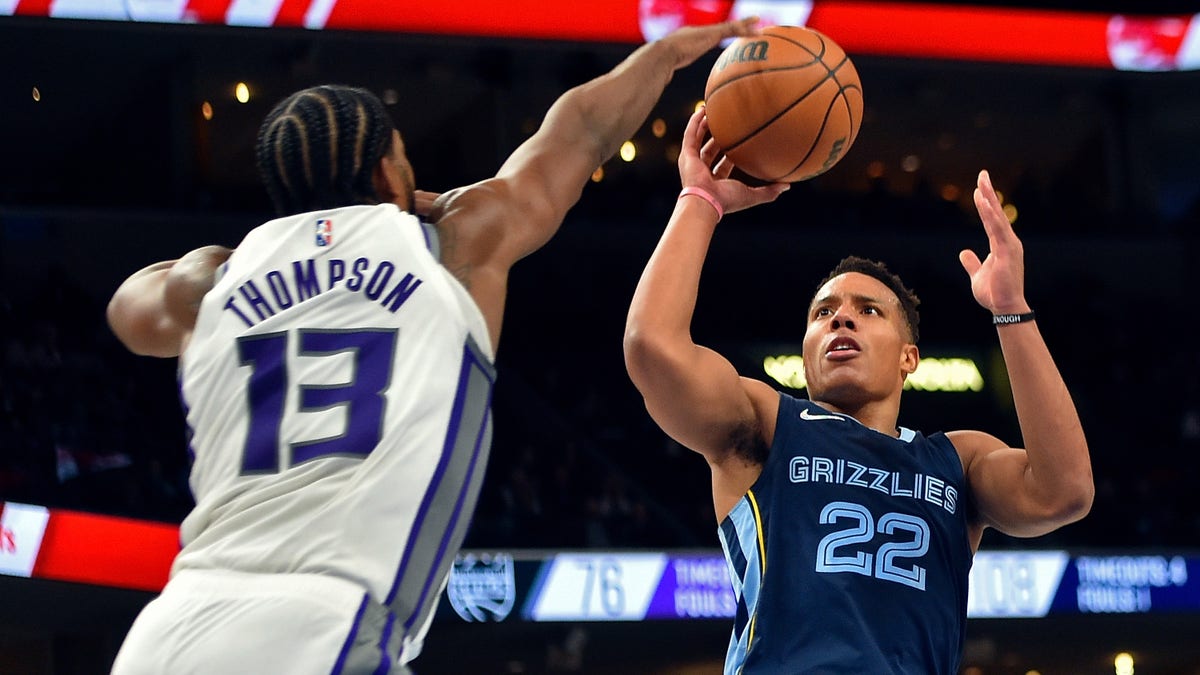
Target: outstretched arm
(693,392)
(490,225)
(1048,484)
(154,311)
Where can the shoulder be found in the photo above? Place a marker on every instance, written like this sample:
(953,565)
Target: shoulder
(970,440)
(471,219)
(972,445)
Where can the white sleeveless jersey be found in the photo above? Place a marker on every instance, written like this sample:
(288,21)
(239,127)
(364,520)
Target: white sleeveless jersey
(338,389)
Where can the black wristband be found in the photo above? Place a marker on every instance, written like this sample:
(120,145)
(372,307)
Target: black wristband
(1007,319)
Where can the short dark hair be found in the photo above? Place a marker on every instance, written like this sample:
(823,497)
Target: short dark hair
(879,271)
(318,148)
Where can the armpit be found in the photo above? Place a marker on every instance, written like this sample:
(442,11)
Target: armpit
(746,442)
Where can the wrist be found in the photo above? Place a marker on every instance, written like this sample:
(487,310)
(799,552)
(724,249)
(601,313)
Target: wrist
(1007,319)
(707,196)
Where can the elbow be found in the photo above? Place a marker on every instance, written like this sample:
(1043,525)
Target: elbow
(134,332)
(1072,502)
(116,314)
(1080,502)
(638,350)
(644,353)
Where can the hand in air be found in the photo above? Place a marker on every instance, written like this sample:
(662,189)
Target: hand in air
(697,156)
(998,282)
(691,42)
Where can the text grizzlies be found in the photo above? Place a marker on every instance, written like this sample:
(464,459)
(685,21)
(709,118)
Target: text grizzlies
(844,472)
(279,291)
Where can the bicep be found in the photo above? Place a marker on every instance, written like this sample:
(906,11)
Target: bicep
(698,399)
(1002,491)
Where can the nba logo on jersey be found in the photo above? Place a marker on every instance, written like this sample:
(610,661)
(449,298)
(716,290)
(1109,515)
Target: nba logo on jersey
(324,231)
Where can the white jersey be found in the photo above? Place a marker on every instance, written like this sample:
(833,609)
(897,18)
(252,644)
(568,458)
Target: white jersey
(338,389)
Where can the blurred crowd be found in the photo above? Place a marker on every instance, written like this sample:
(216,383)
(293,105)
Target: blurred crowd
(577,462)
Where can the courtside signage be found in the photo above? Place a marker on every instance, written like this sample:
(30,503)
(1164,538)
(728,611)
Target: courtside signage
(491,586)
(21,530)
(1003,585)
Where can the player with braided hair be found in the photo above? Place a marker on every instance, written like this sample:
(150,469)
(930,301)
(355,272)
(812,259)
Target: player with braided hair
(303,175)
(337,368)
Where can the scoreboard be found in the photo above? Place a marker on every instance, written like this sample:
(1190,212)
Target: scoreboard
(616,586)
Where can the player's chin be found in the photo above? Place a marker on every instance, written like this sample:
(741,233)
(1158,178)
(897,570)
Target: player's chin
(841,388)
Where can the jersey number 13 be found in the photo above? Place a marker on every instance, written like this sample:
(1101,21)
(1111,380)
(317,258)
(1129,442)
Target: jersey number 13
(362,396)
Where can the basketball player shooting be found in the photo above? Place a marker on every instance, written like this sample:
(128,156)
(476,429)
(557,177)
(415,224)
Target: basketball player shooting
(337,369)
(850,537)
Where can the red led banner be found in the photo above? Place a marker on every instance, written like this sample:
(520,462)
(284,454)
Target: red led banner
(915,30)
(85,547)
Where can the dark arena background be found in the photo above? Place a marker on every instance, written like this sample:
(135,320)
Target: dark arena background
(127,130)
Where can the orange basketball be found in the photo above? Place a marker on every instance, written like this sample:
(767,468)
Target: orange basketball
(785,105)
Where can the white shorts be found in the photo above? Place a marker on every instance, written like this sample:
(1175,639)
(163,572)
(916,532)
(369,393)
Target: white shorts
(213,621)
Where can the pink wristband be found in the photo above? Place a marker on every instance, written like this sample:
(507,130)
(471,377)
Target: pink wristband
(703,194)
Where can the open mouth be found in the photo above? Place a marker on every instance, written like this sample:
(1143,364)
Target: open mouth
(842,347)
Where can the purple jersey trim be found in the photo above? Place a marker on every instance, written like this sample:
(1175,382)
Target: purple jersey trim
(452,526)
(385,660)
(460,403)
(346,646)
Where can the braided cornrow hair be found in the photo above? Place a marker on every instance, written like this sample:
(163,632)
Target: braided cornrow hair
(318,148)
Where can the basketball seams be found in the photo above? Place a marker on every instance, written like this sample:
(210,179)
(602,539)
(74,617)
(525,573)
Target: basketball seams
(849,108)
(770,146)
(753,73)
(788,108)
(816,140)
(801,45)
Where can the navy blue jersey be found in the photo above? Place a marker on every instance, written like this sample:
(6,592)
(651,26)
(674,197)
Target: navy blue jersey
(850,553)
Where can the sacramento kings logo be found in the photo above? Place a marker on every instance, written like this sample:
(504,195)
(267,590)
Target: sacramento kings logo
(482,588)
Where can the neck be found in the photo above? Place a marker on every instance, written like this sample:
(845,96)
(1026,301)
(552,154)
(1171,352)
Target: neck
(882,416)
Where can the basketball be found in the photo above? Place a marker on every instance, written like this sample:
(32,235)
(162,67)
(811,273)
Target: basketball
(785,105)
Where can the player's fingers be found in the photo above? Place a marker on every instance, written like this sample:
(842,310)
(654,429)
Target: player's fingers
(709,153)
(746,26)
(969,261)
(694,132)
(423,201)
(723,169)
(991,211)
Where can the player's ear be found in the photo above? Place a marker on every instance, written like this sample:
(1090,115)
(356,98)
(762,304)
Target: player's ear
(386,178)
(910,357)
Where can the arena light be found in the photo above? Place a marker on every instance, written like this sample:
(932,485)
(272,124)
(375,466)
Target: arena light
(951,374)
(628,151)
(1123,664)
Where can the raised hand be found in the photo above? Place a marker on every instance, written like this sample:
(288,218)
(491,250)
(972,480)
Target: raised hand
(691,42)
(998,283)
(697,156)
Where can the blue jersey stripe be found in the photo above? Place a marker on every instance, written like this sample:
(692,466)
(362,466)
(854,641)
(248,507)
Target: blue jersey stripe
(741,536)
